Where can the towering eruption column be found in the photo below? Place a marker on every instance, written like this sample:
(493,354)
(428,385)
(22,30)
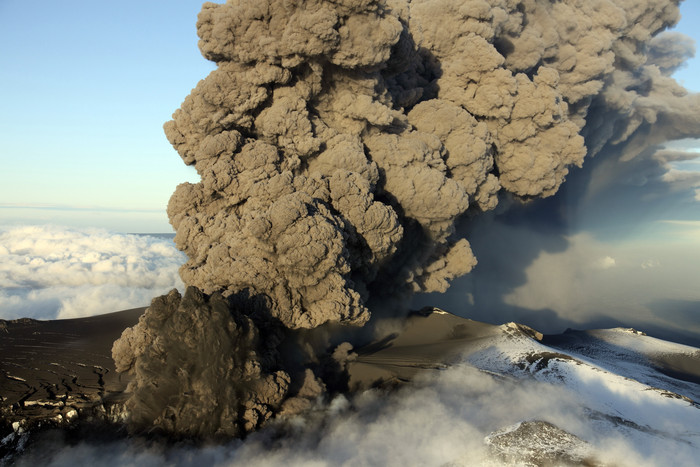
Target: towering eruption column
(338,142)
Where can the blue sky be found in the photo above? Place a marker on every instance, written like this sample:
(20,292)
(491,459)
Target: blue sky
(688,25)
(86,88)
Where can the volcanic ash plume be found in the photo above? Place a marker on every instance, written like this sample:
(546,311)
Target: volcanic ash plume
(338,142)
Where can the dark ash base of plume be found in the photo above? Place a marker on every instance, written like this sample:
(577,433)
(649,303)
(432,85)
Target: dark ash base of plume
(192,367)
(206,366)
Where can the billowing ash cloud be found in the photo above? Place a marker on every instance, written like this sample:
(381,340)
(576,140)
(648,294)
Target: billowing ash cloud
(234,376)
(49,272)
(339,142)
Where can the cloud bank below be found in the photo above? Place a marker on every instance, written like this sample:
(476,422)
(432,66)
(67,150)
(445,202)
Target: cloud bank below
(52,272)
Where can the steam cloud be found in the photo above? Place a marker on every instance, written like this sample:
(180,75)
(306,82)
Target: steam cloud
(438,421)
(339,142)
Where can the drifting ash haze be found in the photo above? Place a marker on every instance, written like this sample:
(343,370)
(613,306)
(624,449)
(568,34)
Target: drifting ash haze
(339,143)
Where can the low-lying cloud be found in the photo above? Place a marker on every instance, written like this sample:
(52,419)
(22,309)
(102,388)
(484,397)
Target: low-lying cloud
(595,279)
(440,421)
(559,281)
(49,272)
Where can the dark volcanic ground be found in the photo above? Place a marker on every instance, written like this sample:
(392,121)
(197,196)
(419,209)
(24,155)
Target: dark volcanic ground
(58,369)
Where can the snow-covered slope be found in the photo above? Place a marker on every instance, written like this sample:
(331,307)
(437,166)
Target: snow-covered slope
(593,388)
(630,353)
(627,383)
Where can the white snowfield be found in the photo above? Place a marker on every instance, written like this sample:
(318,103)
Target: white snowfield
(617,377)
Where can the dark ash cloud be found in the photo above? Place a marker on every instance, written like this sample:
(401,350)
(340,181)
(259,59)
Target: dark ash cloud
(340,144)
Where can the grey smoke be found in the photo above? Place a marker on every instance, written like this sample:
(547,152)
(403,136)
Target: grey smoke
(339,143)
(549,248)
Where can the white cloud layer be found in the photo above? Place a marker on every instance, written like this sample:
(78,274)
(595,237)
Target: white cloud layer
(49,272)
